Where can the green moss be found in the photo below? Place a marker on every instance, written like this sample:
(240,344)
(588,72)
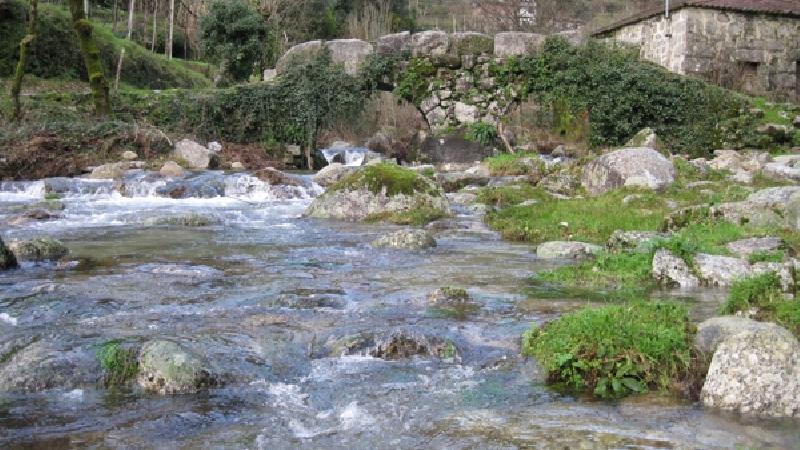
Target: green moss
(419,216)
(454,293)
(119,364)
(615,350)
(766,256)
(391,177)
(764,293)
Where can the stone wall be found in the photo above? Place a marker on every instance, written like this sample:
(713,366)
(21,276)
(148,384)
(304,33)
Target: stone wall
(756,53)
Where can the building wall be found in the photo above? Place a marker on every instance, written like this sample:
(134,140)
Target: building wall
(756,53)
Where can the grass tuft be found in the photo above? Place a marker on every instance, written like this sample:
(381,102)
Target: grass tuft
(119,364)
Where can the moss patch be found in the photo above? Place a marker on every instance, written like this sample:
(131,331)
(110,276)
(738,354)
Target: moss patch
(616,350)
(119,364)
(395,179)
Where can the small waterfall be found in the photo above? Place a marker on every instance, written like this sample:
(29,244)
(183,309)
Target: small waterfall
(349,156)
(15,191)
(249,188)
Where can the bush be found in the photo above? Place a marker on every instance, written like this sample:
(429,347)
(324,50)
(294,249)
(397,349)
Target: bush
(233,35)
(616,350)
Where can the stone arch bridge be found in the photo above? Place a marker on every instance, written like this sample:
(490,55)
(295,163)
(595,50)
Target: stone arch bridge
(461,87)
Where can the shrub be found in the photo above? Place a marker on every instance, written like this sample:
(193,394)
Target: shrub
(233,35)
(615,350)
(483,133)
(119,364)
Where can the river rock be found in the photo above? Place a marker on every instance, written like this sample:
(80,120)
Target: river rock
(716,270)
(277,178)
(746,247)
(756,372)
(47,364)
(195,155)
(735,161)
(171,169)
(397,44)
(646,138)
(455,181)
(714,331)
(167,368)
(129,155)
(7,258)
(630,167)
(449,297)
(563,183)
(185,220)
(112,171)
(671,271)
(393,345)
(633,241)
(366,193)
(429,43)
(406,239)
(566,249)
(38,249)
(332,173)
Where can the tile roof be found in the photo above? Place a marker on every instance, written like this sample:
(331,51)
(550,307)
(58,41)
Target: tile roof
(778,7)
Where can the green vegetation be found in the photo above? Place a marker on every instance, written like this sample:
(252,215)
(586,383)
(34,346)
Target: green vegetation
(483,133)
(503,197)
(233,35)
(614,350)
(413,82)
(119,364)
(766,256)
(514,164)
(395,179)
(418,216)
(764,293)
(55,52)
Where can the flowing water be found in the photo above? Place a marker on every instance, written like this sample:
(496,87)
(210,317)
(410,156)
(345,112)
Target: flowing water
(264,294)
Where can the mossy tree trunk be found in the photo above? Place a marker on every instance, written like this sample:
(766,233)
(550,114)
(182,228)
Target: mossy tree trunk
(91,58)
(16,87)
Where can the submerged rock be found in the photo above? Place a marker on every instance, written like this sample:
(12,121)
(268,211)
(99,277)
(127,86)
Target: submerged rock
(166,368)
(7,258)
(394,345)
(186,220)
(406,239)
(630,167)
(38,249)
(377,191)
(670,270)
(756,372)
(46,364)
(566,249)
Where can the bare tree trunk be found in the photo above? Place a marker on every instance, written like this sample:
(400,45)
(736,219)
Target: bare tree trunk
(131,7)
(144,23)
(131,10)
(86,8)
(91,58)
(16,87)
(170,32)
(155,26)
(116,12)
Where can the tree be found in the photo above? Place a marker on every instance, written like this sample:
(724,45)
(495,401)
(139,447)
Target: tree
(91,58)
(16,87)
(234,36)
(171,29)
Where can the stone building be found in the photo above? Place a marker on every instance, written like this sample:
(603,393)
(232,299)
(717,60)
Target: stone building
(748,45)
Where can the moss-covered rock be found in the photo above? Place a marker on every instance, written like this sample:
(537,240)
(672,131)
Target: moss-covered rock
(406,239)
(167,368)
(7,258)
(38,249)
(380,191)
(471,43)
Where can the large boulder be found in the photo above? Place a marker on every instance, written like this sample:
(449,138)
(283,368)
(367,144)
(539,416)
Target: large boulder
(376,191)
(646,138)
(514,43)
(38,249)
(672,271)
(111,171)
(716,270)
(429,43)
(299,54)
(196,156)
(167,368)
(398,44)
(332,173)
(171,169)
(471,43)
(566,249)
(406,239)
(746,247)
(756,372)
(7,258)
(630,167)
(350,53)
(714,331)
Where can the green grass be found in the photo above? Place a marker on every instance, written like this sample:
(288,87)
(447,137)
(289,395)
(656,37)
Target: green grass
(614,350)
(508,164)
(395,179)
(119,364)
(416,217)
(503,197)
(765,293)
(773,112)
(766,256)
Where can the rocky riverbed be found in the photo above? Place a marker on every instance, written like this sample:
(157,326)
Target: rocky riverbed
(294,332)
